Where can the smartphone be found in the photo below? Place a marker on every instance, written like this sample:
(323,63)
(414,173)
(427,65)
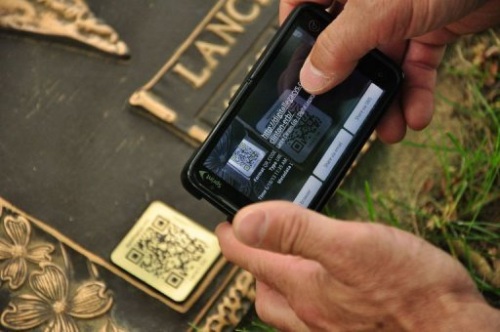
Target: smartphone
(275,141)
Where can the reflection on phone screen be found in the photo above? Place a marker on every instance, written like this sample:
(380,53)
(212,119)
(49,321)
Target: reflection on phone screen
(284,142)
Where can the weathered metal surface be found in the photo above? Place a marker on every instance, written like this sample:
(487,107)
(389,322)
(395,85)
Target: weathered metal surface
(76,155)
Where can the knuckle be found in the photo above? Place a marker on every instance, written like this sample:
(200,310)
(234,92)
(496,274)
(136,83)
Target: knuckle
(293,232)
(357,235)
(324,50)
(268,314)
(310,314)
(257,267)
(260,309)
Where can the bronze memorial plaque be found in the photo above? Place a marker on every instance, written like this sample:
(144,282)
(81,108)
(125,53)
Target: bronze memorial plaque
(80,166)
(193,88)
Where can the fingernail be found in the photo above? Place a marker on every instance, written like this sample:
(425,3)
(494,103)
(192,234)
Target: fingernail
(250,227)
(312,79)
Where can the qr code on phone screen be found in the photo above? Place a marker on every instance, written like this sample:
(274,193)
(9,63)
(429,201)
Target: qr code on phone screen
(167,251)
(305,132)
(296,129)
(247,157)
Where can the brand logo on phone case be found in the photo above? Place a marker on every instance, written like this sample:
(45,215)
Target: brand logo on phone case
(314,26)
(205,176)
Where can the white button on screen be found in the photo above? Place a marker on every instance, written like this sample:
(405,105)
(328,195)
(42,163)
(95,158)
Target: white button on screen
(308,192)
(332,155)
(363,108)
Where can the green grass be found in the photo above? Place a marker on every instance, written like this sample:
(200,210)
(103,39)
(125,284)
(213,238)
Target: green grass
(257,326)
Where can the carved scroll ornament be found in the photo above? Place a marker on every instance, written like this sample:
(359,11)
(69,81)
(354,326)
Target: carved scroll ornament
(63,18)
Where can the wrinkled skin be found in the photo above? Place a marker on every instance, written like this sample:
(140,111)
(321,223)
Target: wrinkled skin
(413,33)
(319,274)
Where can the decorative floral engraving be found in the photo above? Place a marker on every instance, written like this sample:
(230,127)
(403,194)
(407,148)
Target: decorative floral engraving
(17,252)
(233,305)
(66,18)
(53,304)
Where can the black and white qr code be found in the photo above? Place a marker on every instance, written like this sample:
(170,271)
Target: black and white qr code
(304,132)
(167,251)
(247,157)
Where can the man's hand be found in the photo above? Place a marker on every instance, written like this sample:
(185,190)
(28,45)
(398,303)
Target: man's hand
(319,274)
(413,33)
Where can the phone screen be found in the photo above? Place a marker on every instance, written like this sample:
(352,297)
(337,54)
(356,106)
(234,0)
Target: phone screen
(285,143)
(278,142)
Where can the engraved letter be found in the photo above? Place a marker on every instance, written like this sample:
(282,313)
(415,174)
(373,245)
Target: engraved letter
(238,15)
(197,80)
(208,50)
(222,30)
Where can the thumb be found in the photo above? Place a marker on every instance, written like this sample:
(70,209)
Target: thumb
(282,227)
(358,29)
(289,229)
(350,250)
(365,25)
